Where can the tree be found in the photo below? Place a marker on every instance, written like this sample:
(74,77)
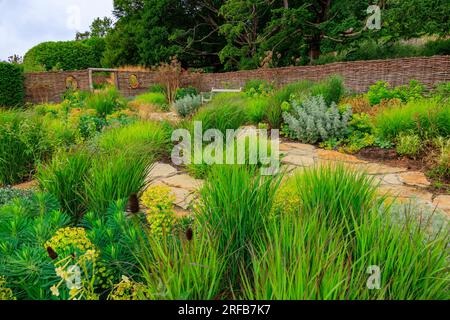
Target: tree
(100,27)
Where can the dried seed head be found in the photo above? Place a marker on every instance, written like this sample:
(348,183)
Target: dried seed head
(189,234)
(133,204)
(52,254)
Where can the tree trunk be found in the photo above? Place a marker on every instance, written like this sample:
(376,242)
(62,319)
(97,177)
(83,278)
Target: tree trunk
(314,47)
(286,4)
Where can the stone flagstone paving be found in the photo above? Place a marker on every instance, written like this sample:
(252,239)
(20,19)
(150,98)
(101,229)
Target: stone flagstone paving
(407,186)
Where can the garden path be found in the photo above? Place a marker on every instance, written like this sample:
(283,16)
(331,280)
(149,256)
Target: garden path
(396,182)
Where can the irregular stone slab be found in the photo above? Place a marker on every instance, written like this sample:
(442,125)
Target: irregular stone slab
(414,178)
(404,192)
(297,160)
(27,185)
(392,179)
(297,148)
(442,202)
(160,116)
(183,181)
(337,156)
(375,168)
(162,170)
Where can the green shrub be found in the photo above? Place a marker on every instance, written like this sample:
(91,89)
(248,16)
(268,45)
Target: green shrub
(427,118)
(222,117)
(157,88)
(184,92)
(25,226)
(332,89)
(7,195)
(441,167)
(63,55)
(442,90)
(152,138)
(187,105)
(374,50)
(256,88)
(105,102)
(23,144)
(314,121)
(409,145)
(159,100)
(12,92)
(382,91)
(257,109)
(117,239)
(286,94)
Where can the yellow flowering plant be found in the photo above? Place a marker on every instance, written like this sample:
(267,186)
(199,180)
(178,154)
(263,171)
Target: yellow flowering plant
(128,290)
(6,293)
(76,264)
(71,242)
(159,201)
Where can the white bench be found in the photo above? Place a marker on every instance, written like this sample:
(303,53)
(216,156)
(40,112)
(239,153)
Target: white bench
(214,91)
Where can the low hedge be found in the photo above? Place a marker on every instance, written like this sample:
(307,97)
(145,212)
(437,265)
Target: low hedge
(12,90)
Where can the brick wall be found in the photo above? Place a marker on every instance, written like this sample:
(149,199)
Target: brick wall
(358,76)
(44,87)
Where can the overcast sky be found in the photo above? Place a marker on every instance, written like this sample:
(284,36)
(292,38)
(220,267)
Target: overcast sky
(26,23)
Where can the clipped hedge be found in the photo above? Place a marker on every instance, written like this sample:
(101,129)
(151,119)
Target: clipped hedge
(12,90)
(64,55)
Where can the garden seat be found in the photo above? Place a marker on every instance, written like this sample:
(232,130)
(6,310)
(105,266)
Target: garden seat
(214,91)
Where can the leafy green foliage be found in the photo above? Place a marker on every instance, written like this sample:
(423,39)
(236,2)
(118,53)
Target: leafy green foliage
(12,92)
(157,99)
(184,92)
(222,116)
(382,91)
(117,237)
(25,226)
(64,55)
(23,143)
(7,195)
(409,145)
(105,102)
(427,117)
(256,88)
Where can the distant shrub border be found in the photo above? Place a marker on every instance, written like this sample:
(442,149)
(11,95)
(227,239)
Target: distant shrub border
(12,92)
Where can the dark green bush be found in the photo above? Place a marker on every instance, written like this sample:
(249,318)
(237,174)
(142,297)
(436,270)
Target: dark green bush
(63,55)
(184,92)
(12,90)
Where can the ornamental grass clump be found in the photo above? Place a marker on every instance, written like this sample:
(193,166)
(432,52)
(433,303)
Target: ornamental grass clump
(314,121)
(235,203)
(177,269)
(344,243)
